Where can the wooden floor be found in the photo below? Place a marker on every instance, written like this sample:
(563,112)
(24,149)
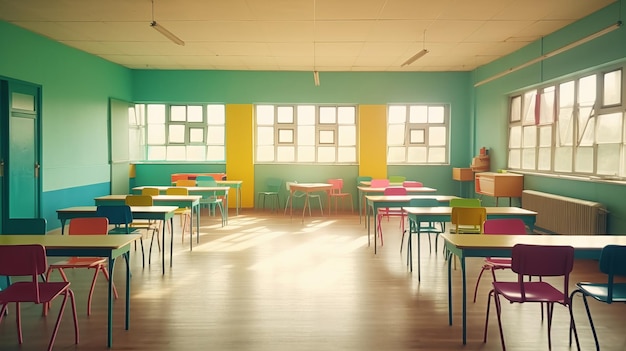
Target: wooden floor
(269,283)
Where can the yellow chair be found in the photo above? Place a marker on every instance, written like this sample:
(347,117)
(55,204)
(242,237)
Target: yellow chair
(465,202)
(144,200)
(472,217)
(150,191)
(186,182)
(184,212)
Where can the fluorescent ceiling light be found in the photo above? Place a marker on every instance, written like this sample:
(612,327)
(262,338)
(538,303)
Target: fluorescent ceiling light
(414,57)
(169,35)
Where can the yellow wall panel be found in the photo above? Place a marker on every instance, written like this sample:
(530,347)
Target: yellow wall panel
(373,141)
(239,151)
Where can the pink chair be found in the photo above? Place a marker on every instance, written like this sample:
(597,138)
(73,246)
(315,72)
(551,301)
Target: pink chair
(336,193)
(387,212)
(412,184)
(85,226)
(379,183)
(534,260)
(499,226)
(30,260)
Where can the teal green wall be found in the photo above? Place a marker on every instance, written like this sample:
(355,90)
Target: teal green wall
(491,102)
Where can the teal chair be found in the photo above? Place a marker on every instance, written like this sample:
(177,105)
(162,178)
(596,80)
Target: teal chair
(213,200)
(272,189)
(424,227)
(363,179)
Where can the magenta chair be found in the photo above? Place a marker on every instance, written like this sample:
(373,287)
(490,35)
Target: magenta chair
(534,260)
(494,227)
(30,260)
(387,212)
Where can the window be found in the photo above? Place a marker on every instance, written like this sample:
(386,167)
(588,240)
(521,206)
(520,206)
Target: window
(417,134)
(305,134)
(573,127)
(180,132)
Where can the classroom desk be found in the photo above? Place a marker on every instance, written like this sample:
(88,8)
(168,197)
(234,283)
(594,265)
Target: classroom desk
(308,188)
(393,201)
(367,190)
(198,190)
(157,213)
(234,184)
(189,201)
(109,246)
(442,214)
(473,245)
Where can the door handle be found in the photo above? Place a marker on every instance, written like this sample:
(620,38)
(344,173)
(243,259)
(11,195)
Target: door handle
(37,167)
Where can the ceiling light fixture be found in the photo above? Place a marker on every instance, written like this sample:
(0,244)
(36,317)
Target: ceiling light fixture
(418,55)
(552,53)
(166,33)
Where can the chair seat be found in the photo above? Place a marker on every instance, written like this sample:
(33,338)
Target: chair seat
(122,230)
(535,292)
(24,292)
(499,262)
(600,291)
(79,262)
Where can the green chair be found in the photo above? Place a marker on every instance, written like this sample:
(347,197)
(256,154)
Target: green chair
(397,179)
(424,227)
(363,179)
(212,200)
(272,186)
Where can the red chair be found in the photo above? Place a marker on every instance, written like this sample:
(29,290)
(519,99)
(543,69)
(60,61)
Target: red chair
(534,260)
(30,260)
(387,212)
(85,226)
(499,226)
(336,193)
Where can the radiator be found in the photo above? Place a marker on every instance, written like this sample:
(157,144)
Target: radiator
(565,215)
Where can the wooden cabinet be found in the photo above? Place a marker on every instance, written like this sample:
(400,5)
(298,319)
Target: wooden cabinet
(499,184)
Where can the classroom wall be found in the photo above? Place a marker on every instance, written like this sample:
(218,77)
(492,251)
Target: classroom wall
(491,102)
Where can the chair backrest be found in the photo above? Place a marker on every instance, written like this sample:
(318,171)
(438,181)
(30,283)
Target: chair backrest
(176,191)
(337,185)
(612,263)
(206,181)
(394,190)
(205,177)
(461,202)
(26,226)
(273,184)
(186,182)
(541,260)
(474,216)
(117,214)
(89,225)
(177,177)
(150,191)
(379,183)
(396,179)
(424,203)
(412,184)
(505,226)
(24,260)
(362,179)
(139,200)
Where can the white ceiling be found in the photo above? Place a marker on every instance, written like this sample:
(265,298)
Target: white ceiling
(298,35)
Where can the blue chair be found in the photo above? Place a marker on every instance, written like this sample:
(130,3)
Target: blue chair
(36,226)
(120,216)
(612,263)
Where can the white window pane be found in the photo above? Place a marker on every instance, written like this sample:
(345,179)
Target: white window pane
(622,171)
(515,159)
(608,159)
(587,90)
(395,134)
(327,136)
(265,153)
(544,162)
(306,115)
(178,113)
(566,94)
(417,136)
(515,137)
(528,110)
(156,153)
(196,135)
(326,154)
(516,109)
(437,136)
(545,136)
(530,136)
(156,114)
(328,115)
(265,115)
(565,124)
(132,117)
(306,135)
(215,135)
(396,154)
(216,114)
(306,154)
(156,134)
(346,115)
(135,142)
(584,160)
(612,88)
(346,154)
(265,136)
(437,155)
(285,136)
(397,114)
(215,153)
(194,114)
(418,114)
(176,133)
(285,154)
(546,114)
(417,154)
(609,128)
(587,132)
(176,153)
(24,102)
(563,159)
(346,135)
(285,114)
(435,114)
(196,152)
(528,159)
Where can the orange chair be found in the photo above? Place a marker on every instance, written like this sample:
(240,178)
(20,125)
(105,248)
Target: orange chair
(336,193)
(85,226)
(186,182)
(177,177)
(30,260)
